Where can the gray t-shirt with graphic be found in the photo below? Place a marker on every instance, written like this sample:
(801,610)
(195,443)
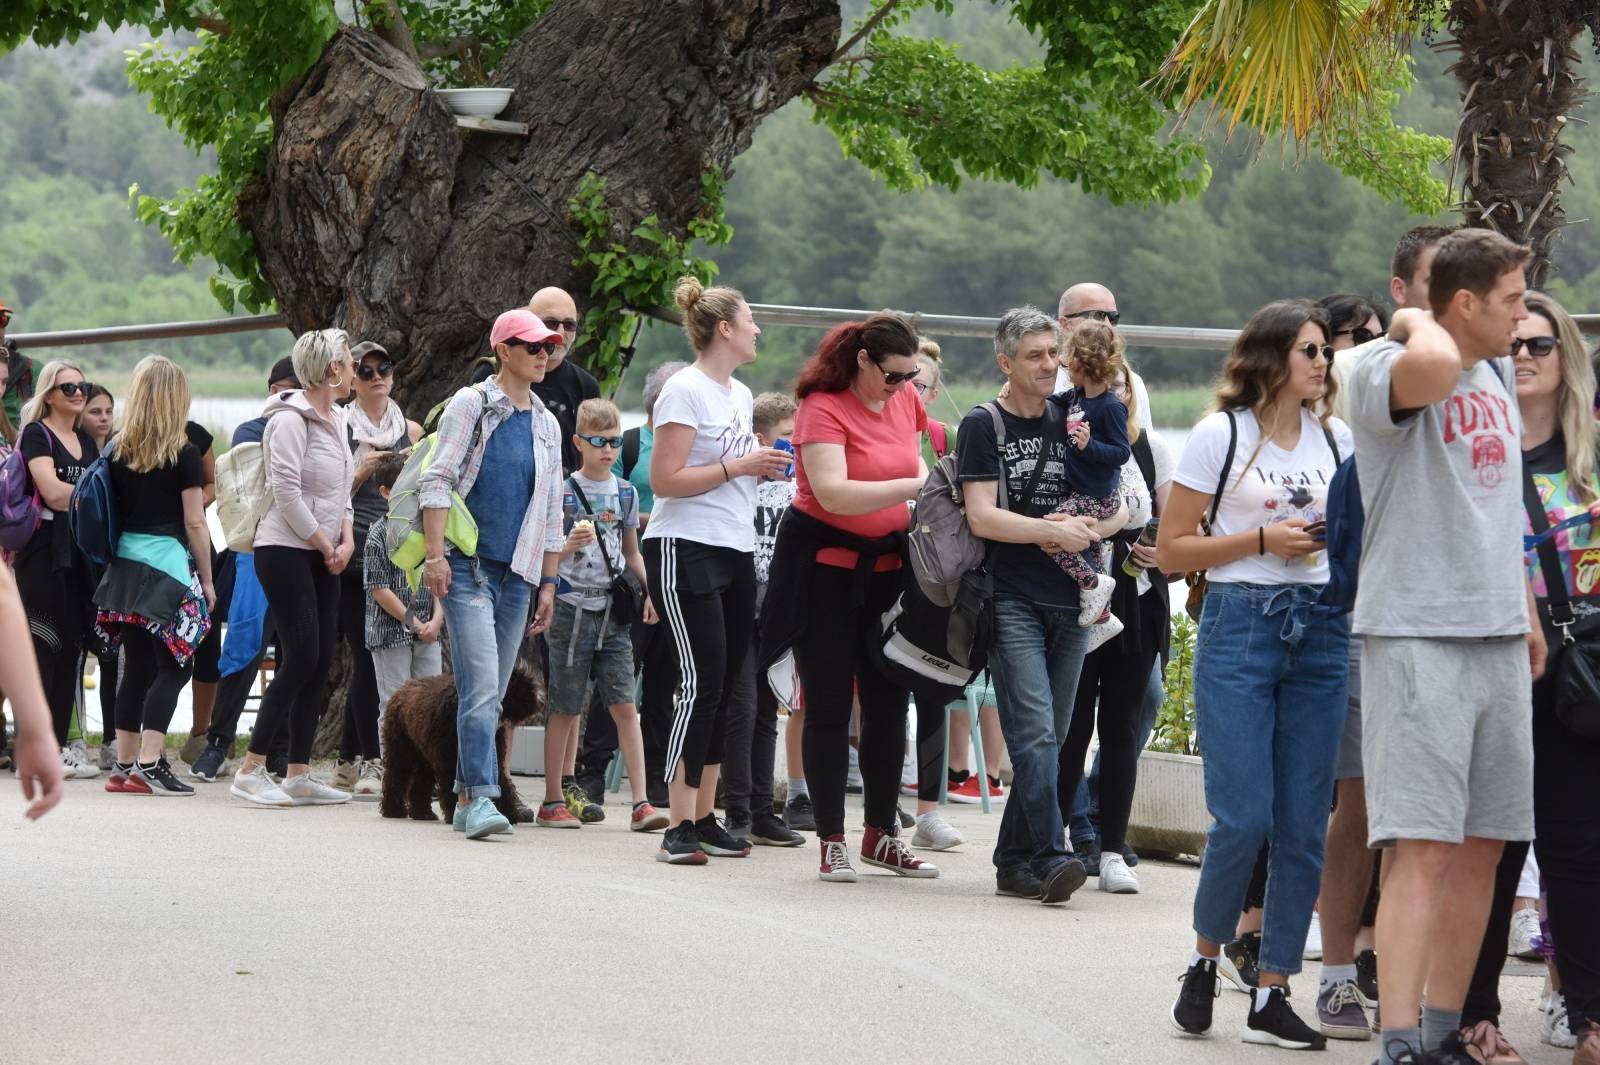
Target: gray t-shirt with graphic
(616,507)
(1441,556)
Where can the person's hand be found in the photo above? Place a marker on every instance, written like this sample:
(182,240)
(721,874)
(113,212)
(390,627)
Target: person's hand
(38,765)
(1005,390)
(650,615)
(210,592)
(1289,540)
(1405,321)
(1079,435)
(1538,652)
(428,631)
(368,462)
(1144,556)
(582,535)
(768,462)
(341,557)
(436,575)
(1069,533)
(544,610)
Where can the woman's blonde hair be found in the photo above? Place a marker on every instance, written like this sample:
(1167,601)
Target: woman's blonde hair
(704,308)
(1575,399)
(37,407)
(156,410)
(316,353)
(929,349)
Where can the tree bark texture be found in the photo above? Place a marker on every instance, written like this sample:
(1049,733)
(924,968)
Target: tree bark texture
(1519,80)
(376,213)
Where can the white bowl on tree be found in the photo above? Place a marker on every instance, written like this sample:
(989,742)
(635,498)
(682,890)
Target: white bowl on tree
(475,103)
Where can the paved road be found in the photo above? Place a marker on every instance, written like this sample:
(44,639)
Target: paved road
(199,930)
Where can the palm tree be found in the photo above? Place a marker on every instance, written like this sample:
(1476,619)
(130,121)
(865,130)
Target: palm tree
(1311,69)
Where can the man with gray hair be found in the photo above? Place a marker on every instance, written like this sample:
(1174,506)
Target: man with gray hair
(1035,601)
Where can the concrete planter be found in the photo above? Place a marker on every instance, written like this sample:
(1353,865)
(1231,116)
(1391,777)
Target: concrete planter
(1169,805)
(527,751)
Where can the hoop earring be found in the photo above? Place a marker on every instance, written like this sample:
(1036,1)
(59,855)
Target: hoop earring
(336,385)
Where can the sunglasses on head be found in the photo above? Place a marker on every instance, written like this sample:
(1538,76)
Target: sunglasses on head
(1311,351)
(1538,347)
(543,347)
(1361,334)
(1110,317)
(600,441)
(897,377)
(73,388)
(370,373)
(569,325)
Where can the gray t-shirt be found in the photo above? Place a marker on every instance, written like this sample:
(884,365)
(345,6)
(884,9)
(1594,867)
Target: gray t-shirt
(1441,555)
(616,507)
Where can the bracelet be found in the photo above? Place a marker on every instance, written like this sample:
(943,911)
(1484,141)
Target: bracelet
(1261,540)
(726,476)
(431,561)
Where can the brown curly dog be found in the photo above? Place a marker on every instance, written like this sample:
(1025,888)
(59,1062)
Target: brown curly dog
(419,740)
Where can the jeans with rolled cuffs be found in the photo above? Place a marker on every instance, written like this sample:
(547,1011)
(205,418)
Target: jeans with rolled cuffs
(1035,685)
(486,615)
(1270,687)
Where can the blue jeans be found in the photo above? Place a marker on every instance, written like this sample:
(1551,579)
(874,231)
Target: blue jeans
(1270,689)
(1035,683)
(486,615)
(1086,803)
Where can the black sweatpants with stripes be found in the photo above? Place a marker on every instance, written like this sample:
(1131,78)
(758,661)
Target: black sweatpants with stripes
(706,597)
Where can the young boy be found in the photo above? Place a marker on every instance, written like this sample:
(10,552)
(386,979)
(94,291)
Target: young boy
(750,750)
(403,626)
(602,519)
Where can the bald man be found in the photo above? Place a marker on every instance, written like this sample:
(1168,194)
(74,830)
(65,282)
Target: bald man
(565,384)
(1088,301)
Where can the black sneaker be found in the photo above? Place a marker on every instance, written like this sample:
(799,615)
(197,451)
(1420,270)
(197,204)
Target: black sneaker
(715,840)
(1018,883)
(1239,964)
(1061,881)
(1191,1014)
(770,831)
(1367,978)
(1088,852)
(210,762)
(739,830)
(681,846)
(1131,857)
(1275,1023)
(906,820)
(799,815)
(161,779)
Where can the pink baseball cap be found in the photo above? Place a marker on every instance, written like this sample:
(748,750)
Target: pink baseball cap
(521,324)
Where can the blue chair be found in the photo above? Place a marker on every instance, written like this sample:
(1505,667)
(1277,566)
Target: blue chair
(980,693)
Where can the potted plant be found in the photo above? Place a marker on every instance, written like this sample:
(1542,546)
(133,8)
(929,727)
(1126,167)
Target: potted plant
(1169,813)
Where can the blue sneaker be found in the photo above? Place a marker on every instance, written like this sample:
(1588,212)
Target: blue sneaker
(484,820)
(458,820)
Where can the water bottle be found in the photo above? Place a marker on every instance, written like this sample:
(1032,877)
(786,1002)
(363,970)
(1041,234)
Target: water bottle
(1147,538)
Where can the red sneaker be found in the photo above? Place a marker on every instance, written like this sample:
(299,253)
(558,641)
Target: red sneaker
(647,818)
(886,851)
(556,815)
(836,867)
(967,791)
(117,782)
(130,783)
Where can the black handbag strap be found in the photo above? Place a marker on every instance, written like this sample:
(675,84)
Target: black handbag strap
(599,535)
(1032,483)
(1558,603)
(1227,468)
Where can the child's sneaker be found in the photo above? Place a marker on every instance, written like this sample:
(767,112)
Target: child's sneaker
(1102,632)
(647,818)
(583,808)
(717,841)
(681,846)
(557,815)
(1095,599)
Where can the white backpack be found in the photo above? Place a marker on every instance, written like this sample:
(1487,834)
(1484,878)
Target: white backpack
(242,496)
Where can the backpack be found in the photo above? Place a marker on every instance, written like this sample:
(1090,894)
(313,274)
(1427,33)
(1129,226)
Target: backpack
(631,445)
(242,496)
(92,513)
(403,538)
(20,505)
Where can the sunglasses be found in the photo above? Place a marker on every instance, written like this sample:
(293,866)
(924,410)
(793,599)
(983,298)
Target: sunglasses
(73,388)
(1111,317)
(544,347)
(569,325)
(600,441)
(1311,351)
(897,377)
(5,317)
(1538,347)
(1362,335)
(372,373)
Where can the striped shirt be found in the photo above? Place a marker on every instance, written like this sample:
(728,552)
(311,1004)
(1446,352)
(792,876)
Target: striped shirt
(383,628)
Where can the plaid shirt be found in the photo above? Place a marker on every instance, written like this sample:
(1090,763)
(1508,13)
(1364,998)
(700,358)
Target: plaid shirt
(453,469)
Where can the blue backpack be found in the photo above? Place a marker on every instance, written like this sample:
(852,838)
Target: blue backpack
(92,513)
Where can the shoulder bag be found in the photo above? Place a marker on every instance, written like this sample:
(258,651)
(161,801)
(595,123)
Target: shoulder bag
(627,594)
(1197,580)
(1574,666)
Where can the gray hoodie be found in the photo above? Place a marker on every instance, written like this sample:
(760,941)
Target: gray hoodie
(309,470)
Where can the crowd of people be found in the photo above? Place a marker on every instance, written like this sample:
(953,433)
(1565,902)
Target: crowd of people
(1387,667)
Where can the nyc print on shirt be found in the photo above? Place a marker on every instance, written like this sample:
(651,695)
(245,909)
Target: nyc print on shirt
(1482,421)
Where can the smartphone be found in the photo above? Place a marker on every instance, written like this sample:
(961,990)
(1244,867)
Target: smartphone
(783,444)
(1318,530)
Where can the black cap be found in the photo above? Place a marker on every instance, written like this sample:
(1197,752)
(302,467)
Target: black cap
(282,370)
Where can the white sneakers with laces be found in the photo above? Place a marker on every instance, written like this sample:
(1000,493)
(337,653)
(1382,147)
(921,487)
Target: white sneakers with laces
(76,766)
(307,790)
(369,781)
(257,786)
(934,833)
(1115,876)
(1524,926)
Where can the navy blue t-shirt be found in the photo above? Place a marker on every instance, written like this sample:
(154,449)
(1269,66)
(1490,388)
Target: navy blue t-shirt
(1097,469)
(499,497)
(1022,570)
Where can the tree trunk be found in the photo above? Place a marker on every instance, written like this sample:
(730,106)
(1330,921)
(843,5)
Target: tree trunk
(377,214)
(1519,80)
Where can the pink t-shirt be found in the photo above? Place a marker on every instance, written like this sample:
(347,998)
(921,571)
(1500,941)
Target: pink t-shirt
(878,446)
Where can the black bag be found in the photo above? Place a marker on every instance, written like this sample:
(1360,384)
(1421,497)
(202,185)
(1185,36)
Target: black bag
(627,594)
(1573,667)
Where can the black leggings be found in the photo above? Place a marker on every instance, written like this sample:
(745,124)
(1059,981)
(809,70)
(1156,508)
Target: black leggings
(752,743)
(55,601)
(707,598)
(836,668)
(1115,681)
(360,738)
(932,716)
(304,599)
(150,684)
(108,694)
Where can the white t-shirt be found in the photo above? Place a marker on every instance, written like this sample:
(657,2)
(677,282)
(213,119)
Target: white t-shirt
(1278,486)
(720,415)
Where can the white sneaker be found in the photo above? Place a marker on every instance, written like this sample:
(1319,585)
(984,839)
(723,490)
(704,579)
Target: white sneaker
(1099,634)
(1115,876)
(76,768)
(1524,926)
(934,833)
(257,786)
(1094,602)
(852,779)
(369,783)
(1554,1027)
(1313,951)
(307,790)
(908,774)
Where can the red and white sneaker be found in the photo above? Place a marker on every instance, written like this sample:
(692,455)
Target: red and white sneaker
(836,867)
(967,791)
(556,815)
(886,851)
(123,782)
(647,818)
